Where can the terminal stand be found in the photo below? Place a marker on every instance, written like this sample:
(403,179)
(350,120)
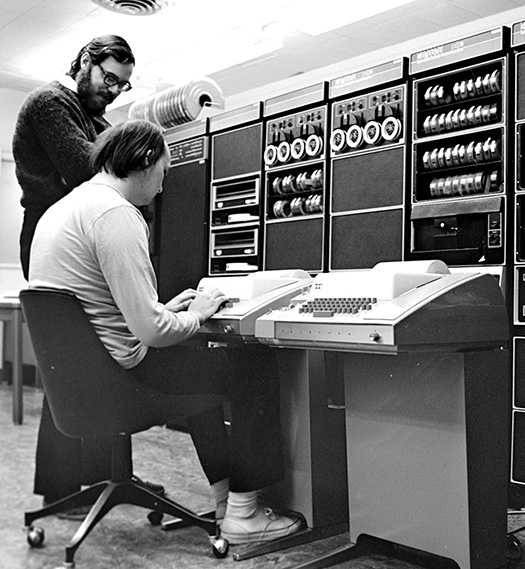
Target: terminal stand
(427,443)
(314,435)
(315,484)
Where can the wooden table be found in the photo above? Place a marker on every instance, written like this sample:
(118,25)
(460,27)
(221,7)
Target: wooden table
(10,311)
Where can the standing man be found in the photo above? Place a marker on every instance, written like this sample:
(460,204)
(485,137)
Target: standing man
(52,144)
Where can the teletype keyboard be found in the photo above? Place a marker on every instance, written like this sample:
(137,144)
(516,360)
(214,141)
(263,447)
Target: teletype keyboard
(250,296)
(394,307)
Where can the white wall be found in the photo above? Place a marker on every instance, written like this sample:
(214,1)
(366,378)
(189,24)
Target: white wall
(10,208)
(10,212)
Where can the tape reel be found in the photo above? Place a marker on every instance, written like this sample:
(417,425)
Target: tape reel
(314,145)
(354,136)
(179,105)
(298,206)
(281,208)
(270,155)
(314,204)
(284,152)
(338,140)
(391,129)
(464,184)
(289,184)
(298,149)
(372,132)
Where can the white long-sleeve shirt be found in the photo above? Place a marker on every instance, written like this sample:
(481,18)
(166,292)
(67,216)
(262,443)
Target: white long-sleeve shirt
(95,243)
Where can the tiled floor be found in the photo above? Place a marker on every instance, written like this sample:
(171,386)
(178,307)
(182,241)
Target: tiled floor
(125,539)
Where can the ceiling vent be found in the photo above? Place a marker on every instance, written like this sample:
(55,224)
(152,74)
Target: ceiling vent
(134,7)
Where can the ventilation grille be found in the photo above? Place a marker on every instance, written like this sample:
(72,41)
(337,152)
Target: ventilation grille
(133,7)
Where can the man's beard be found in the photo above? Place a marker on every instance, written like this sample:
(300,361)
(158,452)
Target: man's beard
(94,102)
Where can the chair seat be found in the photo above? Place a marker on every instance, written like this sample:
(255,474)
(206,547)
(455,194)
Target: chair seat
(91,396)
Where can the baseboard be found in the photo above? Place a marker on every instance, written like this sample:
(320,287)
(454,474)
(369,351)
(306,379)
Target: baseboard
(29,375)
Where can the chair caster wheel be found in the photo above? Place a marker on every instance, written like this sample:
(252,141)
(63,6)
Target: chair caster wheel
(220,546)
(155,518)
(514,551)
(35,536)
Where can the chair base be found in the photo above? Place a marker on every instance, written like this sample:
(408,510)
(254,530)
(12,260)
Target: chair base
(105,495)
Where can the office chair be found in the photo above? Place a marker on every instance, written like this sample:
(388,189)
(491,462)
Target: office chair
(90,396)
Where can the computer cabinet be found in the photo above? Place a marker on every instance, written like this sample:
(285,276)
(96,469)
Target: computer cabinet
(235,236)
(296,184)
(368,166)
(180,241)
(459,195)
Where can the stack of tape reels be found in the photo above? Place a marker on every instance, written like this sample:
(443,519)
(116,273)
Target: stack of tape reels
(179,105)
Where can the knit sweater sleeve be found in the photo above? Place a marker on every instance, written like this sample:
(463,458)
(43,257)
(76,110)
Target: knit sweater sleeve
(52,144)
(64,133)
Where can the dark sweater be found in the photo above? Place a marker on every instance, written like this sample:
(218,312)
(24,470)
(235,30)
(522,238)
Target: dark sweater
(52,144)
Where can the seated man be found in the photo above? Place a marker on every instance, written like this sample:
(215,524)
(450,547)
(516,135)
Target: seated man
(94,242)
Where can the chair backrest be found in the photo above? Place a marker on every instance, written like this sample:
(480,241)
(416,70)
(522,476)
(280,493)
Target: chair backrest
(89,393)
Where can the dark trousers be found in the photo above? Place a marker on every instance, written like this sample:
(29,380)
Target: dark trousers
(31,217)
(250,453)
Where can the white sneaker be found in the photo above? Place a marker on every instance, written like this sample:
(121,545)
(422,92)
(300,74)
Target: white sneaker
(263,525)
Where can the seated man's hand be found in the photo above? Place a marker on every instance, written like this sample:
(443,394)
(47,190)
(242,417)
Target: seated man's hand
(182,301)
(206,304)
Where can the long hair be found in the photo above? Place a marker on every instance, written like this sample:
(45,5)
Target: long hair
(130,146)
(102,47)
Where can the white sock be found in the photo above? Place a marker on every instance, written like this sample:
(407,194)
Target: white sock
(220,493)
(242,504)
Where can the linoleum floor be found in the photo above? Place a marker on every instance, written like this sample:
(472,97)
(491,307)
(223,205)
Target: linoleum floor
(124,539)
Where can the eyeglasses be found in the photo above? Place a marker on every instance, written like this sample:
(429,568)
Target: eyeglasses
(111,80)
